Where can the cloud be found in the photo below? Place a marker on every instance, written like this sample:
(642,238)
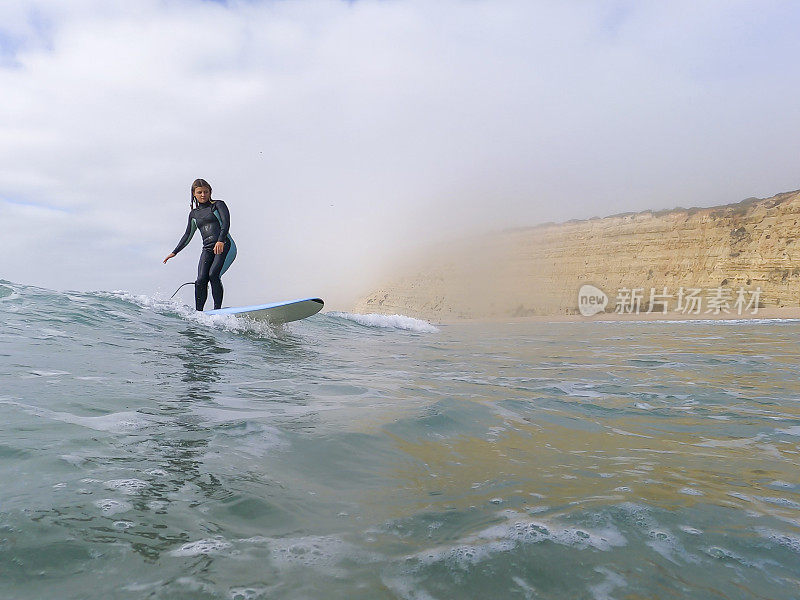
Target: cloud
(344,133)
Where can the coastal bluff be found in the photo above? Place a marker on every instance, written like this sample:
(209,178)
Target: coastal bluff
(537,271)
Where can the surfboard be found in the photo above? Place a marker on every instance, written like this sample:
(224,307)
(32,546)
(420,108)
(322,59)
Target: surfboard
(277,312)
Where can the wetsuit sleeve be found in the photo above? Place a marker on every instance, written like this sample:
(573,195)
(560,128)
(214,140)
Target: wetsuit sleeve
(224,220)
(191,227)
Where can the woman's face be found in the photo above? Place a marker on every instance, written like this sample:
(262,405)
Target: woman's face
(202,194)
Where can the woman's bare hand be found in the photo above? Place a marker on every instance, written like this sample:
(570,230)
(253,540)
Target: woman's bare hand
(219,248)
(170,255)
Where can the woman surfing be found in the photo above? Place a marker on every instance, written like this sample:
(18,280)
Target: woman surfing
(213,220)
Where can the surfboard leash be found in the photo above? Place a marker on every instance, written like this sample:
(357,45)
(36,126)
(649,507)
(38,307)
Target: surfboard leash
(179,288)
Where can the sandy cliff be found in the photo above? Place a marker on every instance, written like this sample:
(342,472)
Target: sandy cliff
(539,270)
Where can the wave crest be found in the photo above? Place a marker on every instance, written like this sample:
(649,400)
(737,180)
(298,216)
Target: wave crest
(386,321)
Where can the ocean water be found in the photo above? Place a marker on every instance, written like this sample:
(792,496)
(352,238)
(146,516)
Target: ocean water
(150,452)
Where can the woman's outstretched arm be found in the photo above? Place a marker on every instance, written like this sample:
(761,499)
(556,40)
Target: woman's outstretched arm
(191,227)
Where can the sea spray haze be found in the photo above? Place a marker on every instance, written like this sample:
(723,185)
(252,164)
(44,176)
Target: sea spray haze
(150,451)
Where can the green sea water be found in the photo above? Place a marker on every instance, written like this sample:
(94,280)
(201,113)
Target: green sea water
(150,452)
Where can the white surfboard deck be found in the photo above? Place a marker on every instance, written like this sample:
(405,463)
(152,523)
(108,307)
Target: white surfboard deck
(277,312)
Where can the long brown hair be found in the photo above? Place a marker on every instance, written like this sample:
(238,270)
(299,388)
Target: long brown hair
(196,184)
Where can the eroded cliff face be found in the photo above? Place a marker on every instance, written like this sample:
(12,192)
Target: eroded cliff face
(539,270)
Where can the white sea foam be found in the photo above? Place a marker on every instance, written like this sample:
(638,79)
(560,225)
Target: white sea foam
(172,306)
(308,551)
(255,438)
(792,542)
(602,591)
(732,443)
(126,486)
(661,540)
(247,593)
(777,501)
(724,554)
(109,506)
(782,484)
(623,432)
(213,546)
(74,459)
(522,529)
(740,496)
(324,551)
(666,544)
(407,588)
(120,422)
(157,472)
(387,321)
(527,588)
(578,389)
(690,530)
(519,529)
(40,373)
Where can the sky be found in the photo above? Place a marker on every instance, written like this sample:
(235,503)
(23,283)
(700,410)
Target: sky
(344,136)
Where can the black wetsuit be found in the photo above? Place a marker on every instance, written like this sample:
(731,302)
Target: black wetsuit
(213,220)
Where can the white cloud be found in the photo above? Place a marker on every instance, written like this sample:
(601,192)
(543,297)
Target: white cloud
(339,133)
